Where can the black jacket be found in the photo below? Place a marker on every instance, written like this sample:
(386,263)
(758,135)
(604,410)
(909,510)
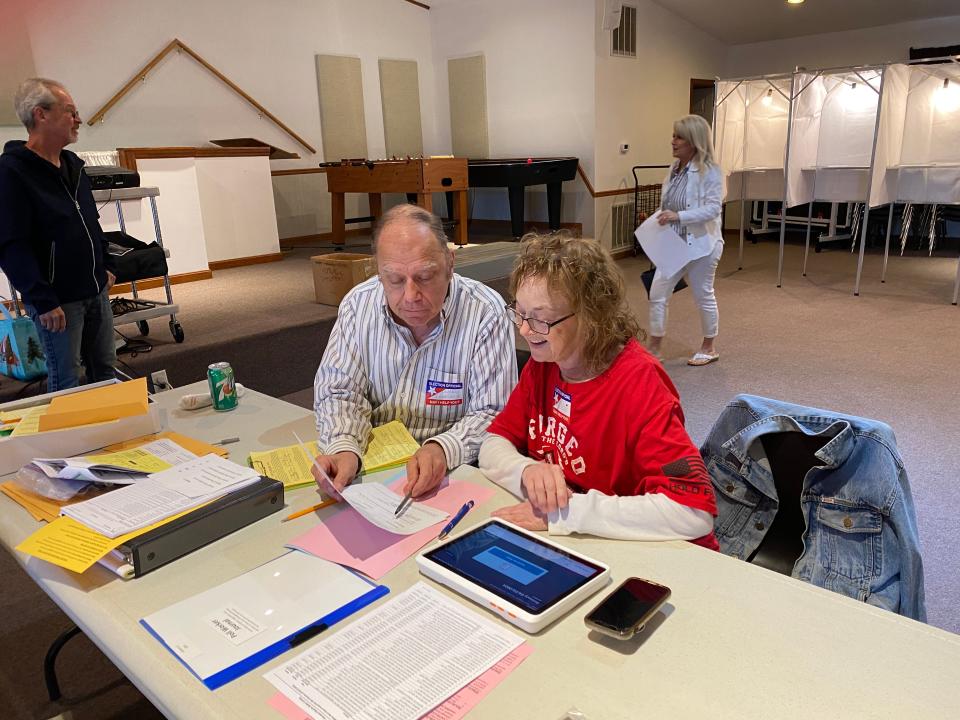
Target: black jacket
(52,248)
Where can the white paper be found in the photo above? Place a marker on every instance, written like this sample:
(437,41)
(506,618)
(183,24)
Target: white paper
(667,250)
(168,451)
(151,500)
(269,603)
(74,469)
(377,503)
(207,475)
(398,661)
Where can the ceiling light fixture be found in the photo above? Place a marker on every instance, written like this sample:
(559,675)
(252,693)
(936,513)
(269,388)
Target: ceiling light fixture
(794,2)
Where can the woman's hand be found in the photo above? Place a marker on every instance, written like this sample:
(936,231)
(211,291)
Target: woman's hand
(522,514)
(545,487)
(667,216)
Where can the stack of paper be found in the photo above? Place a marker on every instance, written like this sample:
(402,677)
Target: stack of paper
(121,467)
(390,445)
(161,495)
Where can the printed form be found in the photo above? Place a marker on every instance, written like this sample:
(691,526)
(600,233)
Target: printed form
(399,661)
(377,503)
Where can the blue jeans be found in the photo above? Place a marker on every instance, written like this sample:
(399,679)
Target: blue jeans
(86,341)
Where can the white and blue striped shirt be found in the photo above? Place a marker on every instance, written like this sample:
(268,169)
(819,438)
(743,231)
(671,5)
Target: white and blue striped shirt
(373,371)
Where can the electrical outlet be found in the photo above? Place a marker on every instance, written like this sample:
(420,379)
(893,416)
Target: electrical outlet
(159,378)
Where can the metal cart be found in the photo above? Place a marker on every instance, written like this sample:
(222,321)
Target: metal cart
(646,199)
(145,309)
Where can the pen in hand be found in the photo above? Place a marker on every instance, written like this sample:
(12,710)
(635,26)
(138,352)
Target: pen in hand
(456,518)
(407,499)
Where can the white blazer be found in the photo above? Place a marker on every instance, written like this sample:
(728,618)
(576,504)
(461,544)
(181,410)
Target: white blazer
(704,204)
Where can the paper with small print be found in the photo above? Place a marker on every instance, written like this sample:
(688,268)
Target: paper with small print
(399,661)
(204,476)
(377,504)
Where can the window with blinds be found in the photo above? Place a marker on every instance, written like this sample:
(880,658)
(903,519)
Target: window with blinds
(624,36)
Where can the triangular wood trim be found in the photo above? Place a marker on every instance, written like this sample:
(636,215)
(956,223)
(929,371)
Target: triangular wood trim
(175,44)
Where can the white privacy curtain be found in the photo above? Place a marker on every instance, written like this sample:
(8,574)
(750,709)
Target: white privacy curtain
(751,122)
(890,135)
(831,138)
(929,163)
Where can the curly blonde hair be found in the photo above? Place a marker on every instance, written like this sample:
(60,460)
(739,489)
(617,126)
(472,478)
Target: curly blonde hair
(581,271)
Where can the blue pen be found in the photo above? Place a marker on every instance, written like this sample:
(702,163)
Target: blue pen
(456,518)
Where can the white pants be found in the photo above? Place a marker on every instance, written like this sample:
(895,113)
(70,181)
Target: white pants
(699,274)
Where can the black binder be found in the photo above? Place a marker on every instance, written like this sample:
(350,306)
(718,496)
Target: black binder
(201,527)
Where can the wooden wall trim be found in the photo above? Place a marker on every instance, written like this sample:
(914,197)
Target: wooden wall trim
(297,171)
(418,4)
(243,261)
(131,155)
(122,288)
(175,44)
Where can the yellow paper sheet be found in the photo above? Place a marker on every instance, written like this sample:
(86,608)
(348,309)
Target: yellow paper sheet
(9,416)
(390,445)
(101,404)
(132,459)
(30,421)
(72,545)
(290,465)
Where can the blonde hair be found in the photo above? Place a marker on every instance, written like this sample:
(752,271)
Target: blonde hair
(582,272)
(696,131)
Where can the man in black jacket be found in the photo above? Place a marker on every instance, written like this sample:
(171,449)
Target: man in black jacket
(52,248)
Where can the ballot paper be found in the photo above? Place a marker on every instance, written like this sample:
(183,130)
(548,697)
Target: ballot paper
(377,503)
(135,506)
(667,250)
(399,661)
(210,474)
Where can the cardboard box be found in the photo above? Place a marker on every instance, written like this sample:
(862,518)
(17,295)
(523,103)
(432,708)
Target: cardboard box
(334,274)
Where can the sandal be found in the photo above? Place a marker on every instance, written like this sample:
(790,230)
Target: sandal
(703,359)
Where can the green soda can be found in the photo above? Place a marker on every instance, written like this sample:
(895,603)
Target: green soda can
(223,387)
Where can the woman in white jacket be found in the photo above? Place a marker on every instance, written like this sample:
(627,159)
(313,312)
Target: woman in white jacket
(692,200)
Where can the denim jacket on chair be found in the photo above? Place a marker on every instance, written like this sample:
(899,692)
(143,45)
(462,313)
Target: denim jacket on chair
(861,535)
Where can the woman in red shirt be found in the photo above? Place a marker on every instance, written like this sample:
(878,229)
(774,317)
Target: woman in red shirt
(592,437)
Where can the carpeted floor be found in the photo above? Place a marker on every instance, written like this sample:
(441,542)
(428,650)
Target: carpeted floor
(888,355)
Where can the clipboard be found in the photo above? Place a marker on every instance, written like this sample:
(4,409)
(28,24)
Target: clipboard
(233,628)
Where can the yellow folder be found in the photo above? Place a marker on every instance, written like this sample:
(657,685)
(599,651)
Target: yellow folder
(102,404)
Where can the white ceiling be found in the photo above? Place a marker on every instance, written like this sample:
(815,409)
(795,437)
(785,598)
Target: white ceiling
(736,22)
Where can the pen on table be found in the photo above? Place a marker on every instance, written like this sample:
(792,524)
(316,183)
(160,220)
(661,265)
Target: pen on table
(456,518)
(227,441)
(319,506)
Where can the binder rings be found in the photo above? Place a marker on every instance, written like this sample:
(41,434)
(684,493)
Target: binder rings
(201,527)
(230,629)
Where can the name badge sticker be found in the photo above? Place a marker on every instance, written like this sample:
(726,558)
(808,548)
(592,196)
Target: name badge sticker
(440,392)
(561,403)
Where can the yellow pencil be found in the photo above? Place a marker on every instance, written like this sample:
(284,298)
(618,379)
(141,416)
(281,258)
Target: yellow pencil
(318,506)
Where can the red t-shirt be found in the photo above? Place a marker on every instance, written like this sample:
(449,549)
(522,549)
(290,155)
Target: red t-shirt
(620,433)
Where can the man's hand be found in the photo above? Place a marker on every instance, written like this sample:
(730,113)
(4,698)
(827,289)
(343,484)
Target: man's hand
(111,280)
(667,216)
(545,487)
(342,469)
(425,470)
(524,515)
(54,321)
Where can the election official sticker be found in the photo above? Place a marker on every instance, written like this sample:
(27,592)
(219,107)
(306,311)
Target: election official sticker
(561,402)
(444,393)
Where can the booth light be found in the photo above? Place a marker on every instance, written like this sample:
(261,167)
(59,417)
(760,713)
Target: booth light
(794,2)
(947,97)
(768,98)
(858,98)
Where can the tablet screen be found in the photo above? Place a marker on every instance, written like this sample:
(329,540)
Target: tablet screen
(515,566)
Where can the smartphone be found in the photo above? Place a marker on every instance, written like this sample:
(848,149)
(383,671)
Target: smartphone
(627,609)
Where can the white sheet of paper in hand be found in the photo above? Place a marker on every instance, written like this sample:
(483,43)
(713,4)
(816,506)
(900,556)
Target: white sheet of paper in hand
(377,503)
(663,246)
(204,476)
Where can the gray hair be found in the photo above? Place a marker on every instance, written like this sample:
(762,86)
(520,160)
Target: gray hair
(34,93)
(413,214)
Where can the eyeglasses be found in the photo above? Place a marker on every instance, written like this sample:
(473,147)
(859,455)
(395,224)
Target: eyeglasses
(540,327)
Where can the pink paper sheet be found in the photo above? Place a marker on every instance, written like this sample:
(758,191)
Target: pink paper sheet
(453,708)
(348,539)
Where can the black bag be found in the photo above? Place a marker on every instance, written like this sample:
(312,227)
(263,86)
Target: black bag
(133,259)
(647,278)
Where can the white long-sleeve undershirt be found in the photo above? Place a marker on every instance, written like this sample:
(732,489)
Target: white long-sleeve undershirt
(637,517)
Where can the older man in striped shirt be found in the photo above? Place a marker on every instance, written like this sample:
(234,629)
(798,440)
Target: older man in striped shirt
(419,344)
